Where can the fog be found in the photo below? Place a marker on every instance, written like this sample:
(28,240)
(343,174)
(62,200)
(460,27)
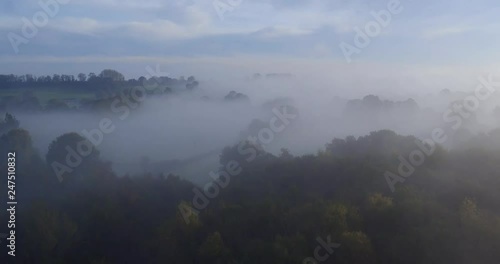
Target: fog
(184,132)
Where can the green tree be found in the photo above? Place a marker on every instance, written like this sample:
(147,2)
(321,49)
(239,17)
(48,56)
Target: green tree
(112,75)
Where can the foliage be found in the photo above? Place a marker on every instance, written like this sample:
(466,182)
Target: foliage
(275,211)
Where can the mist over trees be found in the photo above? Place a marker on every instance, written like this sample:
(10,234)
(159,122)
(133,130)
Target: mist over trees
(273,212)
(194,173)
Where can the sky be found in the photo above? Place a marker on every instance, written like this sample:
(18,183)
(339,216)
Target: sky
(214,37)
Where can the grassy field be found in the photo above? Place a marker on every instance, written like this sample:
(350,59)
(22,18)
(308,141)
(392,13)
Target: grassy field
(44,94)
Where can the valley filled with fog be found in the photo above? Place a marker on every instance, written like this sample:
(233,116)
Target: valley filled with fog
(183,131)
(249,132)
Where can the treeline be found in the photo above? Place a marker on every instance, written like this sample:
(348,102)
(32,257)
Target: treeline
(85,92)
(276,211)
(91,80)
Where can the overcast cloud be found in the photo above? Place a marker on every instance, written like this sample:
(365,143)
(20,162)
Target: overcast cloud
(445,34)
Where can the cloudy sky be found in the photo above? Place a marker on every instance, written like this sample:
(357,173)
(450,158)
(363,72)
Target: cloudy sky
(91,34)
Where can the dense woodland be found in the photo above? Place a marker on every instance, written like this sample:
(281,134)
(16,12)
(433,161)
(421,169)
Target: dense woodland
(272,212)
